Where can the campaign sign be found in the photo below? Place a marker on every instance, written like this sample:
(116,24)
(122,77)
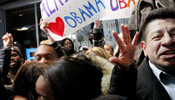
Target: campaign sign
(116,9)
(67,16)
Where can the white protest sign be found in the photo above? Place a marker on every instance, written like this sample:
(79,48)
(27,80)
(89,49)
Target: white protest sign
(116,9)
(67,16)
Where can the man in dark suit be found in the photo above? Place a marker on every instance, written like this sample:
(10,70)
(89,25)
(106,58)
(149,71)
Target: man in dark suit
(156,74)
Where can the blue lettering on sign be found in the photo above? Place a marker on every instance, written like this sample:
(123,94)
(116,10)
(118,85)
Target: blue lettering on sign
(79,19)
(82,14)
(66,18)
(76,17)
(89,8)
(99,2)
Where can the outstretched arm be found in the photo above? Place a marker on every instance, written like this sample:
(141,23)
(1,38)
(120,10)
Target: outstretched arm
(5,55)
(124,75)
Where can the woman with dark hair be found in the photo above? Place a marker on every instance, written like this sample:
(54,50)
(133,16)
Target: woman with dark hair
(25,79)
(70,79)
(68,46)
(73,79)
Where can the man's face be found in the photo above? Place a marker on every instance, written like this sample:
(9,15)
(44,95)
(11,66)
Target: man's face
(45,54)
(15,59)
(108,48)
(160,43)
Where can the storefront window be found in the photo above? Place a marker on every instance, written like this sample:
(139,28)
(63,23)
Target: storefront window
(21,22)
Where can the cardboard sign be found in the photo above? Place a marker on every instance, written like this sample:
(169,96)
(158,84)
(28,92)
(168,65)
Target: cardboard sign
(67,16)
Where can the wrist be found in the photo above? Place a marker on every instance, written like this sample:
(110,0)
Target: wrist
(126,67)
(8,46)
(48,35)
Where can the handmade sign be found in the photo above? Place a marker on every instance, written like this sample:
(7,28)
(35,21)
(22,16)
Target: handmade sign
(67,16)
(116,9)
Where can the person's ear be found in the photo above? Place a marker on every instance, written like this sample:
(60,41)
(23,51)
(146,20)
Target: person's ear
(143,46)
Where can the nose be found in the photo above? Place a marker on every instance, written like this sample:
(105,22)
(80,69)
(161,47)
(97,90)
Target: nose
(167,40)
(43,60)
(11,57)
(70,45)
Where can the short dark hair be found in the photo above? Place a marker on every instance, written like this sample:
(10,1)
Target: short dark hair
(73,78)
(49,45)
(162,13)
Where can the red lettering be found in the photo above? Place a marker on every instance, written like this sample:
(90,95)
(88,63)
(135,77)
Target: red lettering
(122,2)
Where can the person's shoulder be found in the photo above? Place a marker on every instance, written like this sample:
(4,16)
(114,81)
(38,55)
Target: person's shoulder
(143,66)
(145,75)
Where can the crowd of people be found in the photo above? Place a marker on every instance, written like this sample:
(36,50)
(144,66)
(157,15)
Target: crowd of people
(58,72)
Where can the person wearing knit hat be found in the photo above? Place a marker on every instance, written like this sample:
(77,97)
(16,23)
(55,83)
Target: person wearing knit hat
(11,59)
(16,60)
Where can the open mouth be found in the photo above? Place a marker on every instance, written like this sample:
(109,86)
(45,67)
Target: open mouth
(169,53)
(12,62)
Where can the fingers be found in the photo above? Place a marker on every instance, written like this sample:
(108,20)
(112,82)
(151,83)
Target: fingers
(6,36)
(44,25)
(118,40)
(126,34)
(134,41)
(41,19)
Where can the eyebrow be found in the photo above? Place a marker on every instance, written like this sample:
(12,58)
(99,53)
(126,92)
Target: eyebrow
(160,31)
(48,54)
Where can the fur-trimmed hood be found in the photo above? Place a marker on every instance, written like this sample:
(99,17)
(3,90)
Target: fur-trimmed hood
(106,67)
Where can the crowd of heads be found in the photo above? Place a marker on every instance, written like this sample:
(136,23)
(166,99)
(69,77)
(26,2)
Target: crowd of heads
(50,77)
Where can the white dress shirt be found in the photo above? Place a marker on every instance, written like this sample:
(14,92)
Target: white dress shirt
(167,80)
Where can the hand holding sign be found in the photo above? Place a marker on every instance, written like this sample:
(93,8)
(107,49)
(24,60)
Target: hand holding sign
(44,26)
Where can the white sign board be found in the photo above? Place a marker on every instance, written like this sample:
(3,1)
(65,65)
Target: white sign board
(67,16)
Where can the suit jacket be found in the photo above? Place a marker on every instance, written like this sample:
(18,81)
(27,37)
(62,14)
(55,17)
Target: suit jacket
(148,86)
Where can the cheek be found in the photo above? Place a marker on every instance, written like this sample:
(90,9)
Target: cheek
(153,48)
